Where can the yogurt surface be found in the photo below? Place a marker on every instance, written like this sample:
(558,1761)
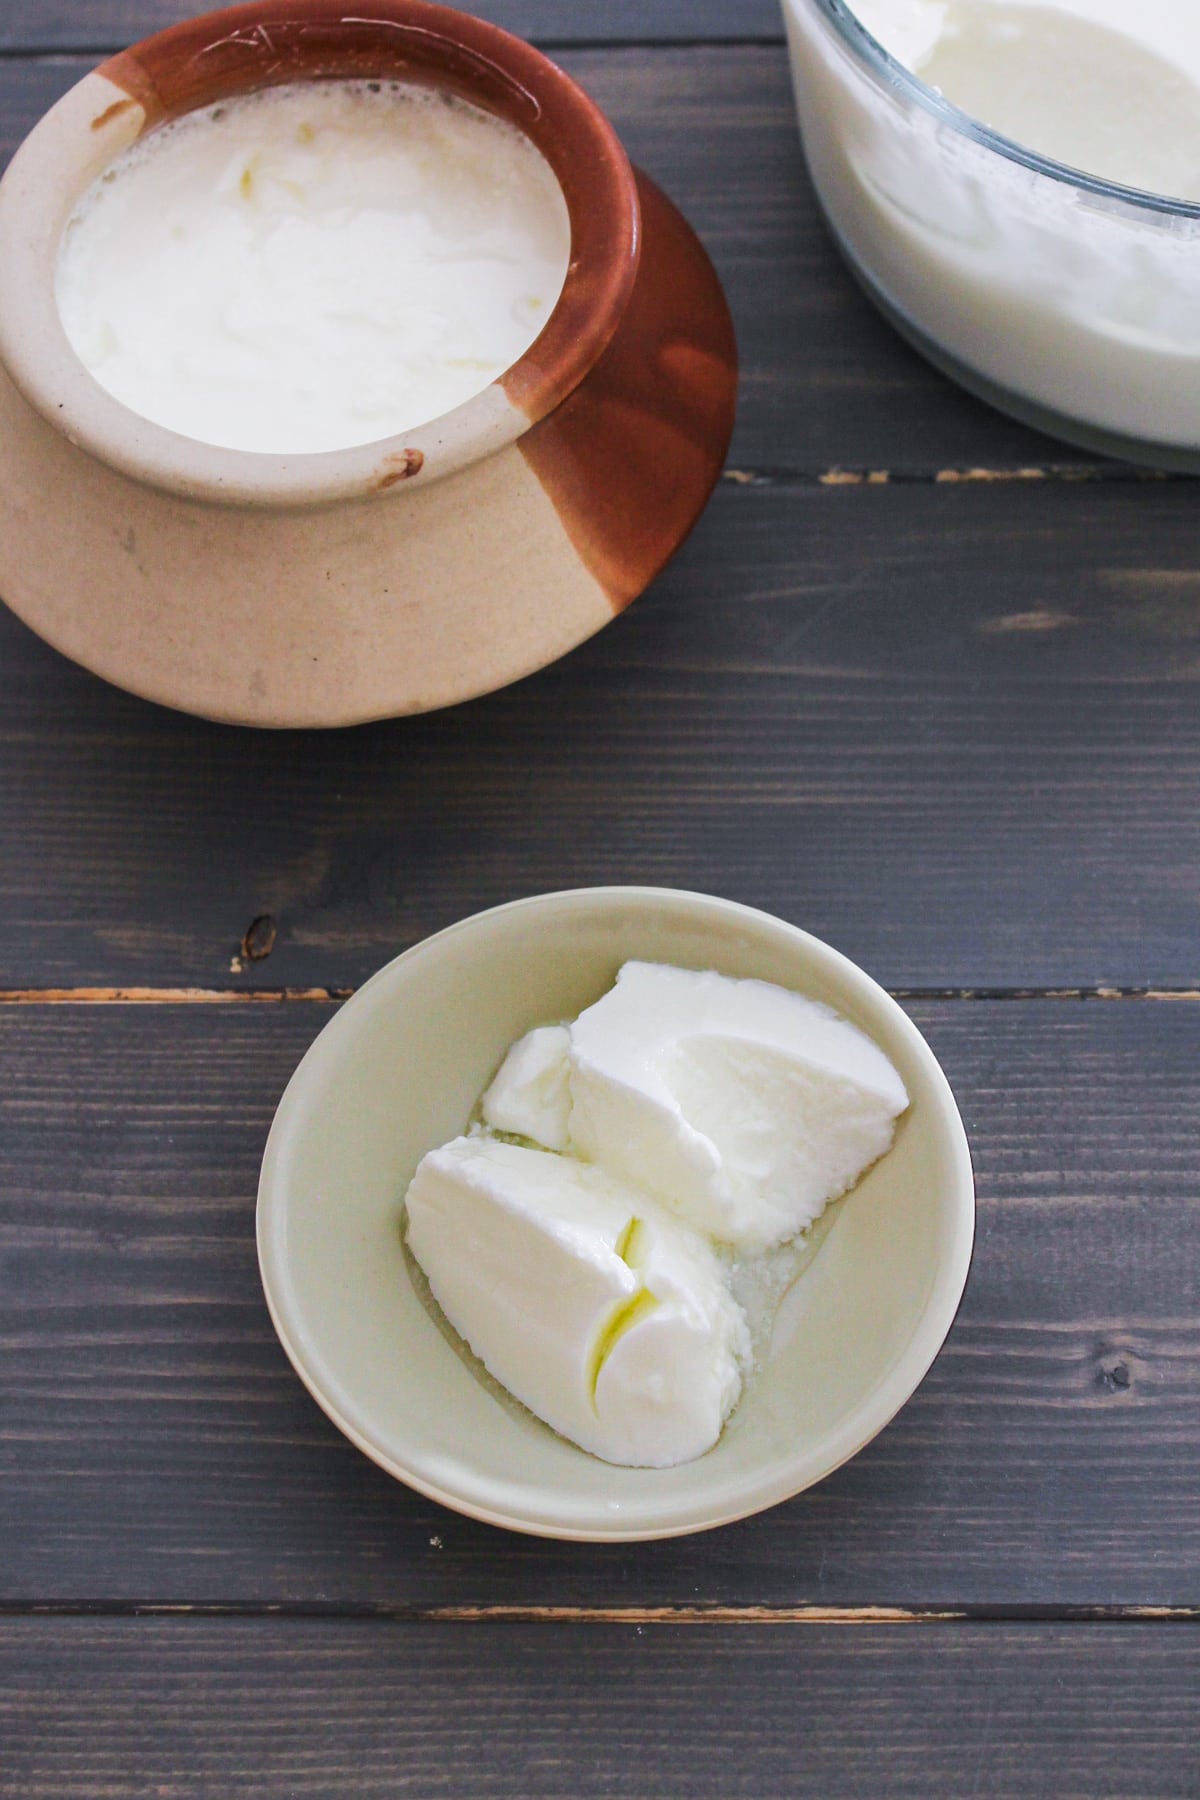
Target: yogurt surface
(1101,85)
(315,266)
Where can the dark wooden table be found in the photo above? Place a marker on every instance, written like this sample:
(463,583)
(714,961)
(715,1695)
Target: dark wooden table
(923,682)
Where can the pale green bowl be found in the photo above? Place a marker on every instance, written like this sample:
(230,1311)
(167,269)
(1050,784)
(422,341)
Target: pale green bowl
(399,1069)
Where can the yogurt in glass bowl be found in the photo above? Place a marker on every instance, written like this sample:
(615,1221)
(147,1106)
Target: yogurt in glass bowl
(1066,296)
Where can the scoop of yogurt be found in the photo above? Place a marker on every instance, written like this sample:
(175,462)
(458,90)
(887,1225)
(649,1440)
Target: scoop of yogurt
(531,1095)
(744,1107)
(605,1316)
(685,1123)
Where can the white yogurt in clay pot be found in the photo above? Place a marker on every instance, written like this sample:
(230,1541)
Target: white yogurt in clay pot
(314,266)
(1018,185)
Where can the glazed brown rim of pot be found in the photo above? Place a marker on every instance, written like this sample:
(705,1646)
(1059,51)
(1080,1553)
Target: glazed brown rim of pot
(225,54)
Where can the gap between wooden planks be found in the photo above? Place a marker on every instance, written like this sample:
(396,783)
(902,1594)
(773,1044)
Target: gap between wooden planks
(334,996)
(614,1615)
(838,477)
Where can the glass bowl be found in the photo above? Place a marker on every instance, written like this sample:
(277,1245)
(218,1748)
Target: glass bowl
(1065,300)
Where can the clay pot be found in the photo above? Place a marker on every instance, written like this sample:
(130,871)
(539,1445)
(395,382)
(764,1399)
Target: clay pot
(396,576)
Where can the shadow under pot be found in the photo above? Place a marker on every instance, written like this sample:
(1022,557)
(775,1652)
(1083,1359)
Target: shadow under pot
(336,585)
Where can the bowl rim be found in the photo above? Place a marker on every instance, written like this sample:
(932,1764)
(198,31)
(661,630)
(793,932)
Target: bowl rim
(264,43)
(871,55)
(779,1483)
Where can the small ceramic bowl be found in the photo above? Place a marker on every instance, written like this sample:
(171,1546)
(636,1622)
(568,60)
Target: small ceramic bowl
(399,1070)
(393,577)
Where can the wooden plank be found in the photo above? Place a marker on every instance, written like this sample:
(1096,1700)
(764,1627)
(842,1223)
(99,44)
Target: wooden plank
(951,728)
(155,1445)
(278,1708)
(824,381)
(111,24)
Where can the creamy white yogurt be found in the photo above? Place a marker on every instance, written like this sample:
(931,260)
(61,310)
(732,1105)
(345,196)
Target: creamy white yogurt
(530,1096)
(1103,85)
(315,266)
(744,1108)
(606,1317)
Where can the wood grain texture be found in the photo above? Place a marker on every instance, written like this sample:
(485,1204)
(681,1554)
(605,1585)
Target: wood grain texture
(825,382)
(954,729)
(111,24)
(271,1709)
(155,1445)
(949,725)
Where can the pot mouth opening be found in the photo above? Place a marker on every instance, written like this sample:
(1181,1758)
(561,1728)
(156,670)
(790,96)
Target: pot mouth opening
(270,43)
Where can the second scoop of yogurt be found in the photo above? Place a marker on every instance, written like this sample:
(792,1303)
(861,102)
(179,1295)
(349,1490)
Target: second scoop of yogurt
(741,1106)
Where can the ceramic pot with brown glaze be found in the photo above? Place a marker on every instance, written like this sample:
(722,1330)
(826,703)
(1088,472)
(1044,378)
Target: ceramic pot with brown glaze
(393,577)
